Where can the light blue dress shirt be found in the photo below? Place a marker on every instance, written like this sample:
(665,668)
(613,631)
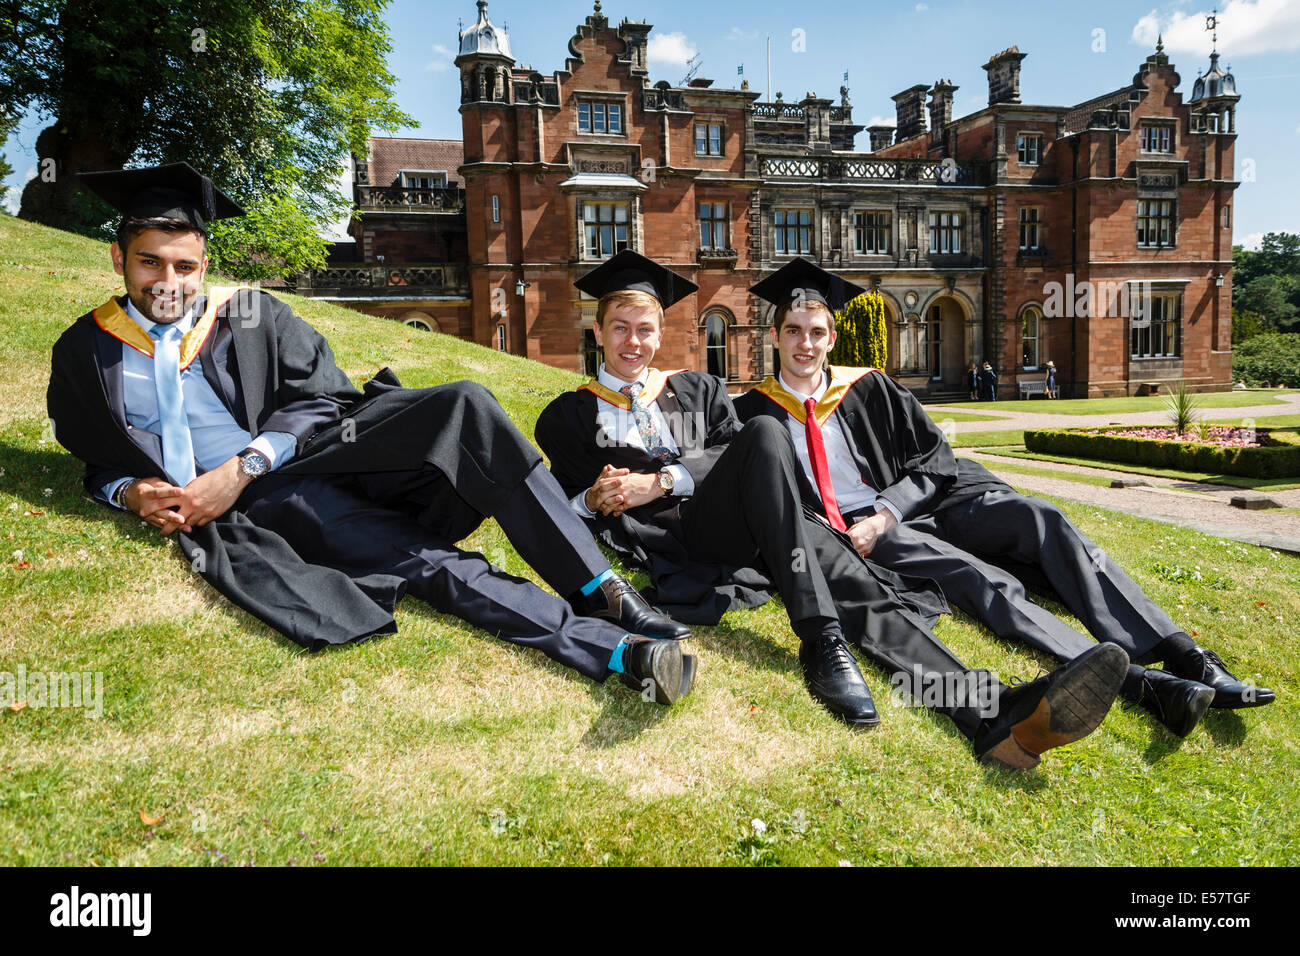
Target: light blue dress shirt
(620,424)
(215,434)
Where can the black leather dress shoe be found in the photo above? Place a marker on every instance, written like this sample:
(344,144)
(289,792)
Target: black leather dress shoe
(657,668)
(1177,703)
(1064,706)
(1229,692)
(617,601)
(833,678)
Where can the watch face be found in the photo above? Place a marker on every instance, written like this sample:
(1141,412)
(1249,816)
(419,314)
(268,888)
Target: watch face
(253,464)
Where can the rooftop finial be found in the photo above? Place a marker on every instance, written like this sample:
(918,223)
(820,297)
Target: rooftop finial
(1160,43)
(597,7)
(1212,24)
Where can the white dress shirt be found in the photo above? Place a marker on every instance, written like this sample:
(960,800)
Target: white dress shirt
(215,434)
(852,493)
(619,428)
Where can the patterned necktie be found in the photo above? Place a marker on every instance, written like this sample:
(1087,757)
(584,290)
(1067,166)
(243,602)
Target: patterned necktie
(645,424)
(178,449)
(820,467)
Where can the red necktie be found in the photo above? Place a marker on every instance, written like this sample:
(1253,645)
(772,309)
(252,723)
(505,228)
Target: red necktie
(821,469)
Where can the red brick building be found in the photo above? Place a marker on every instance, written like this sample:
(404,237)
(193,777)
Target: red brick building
(1016,234)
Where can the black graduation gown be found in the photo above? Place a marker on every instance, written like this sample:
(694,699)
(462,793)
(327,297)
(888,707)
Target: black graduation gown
(274,372)
(898,448)
(702,423)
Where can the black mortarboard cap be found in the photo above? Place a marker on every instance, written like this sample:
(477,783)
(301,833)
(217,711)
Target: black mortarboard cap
(801,279)
(631,270)
(176,191)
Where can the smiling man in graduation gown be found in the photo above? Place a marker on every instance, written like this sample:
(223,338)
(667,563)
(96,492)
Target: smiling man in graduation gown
(889,480)
(309,504)
(657,463)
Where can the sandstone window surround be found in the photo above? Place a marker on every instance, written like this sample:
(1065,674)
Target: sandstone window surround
(871,231)
(604,227)
(715,329)
(946,233)
(1029,149)
(1156,137)
(1031,228)
(601,113)
(714,221)
(1155,320)
(1157,223)
(792,231)
(1031,330)
(709,138)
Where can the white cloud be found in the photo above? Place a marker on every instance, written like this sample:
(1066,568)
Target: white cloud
(879,120)
(30,174)
(921,8)
(670,50)
(1245,26)
(1251,242)
(739,34)
(443,61)
(11,199)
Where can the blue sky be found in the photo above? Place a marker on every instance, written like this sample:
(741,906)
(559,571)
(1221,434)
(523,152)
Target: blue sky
(1075,51)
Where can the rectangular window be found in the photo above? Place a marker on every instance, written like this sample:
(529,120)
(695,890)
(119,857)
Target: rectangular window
(1030,232)
(424,180)
(1155,223)
(1156,334)
(1029,149)
(604,229)
(496,209)
(793,231)
(1156,138)
(708,139)
(501,338)
(713,225)
(871,232)
(598,117)
(945,233)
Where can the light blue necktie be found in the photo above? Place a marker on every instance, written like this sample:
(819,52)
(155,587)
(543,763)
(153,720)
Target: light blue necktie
(178,449)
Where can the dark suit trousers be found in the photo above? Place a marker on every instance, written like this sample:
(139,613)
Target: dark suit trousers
(957,548)
(406,523)
(748,509)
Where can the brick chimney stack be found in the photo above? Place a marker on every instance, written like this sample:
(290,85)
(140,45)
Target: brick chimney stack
(909,107)
(940,108)
(1004,76)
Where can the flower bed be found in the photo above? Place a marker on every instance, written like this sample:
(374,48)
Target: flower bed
(1267,453)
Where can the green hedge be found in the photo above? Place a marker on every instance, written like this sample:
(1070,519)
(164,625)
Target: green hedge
(1272,461)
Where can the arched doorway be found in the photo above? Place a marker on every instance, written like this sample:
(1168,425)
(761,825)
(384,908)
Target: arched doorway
(943,352)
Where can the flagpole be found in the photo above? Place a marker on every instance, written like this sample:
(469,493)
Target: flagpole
(769,67)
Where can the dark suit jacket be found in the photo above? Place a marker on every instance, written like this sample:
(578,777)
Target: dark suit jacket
(702,423)
(274,372)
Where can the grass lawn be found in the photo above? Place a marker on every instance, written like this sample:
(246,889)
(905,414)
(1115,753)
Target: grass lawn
(990,439)
(444,745)
(1145,403)
(940,414)
(1075,476)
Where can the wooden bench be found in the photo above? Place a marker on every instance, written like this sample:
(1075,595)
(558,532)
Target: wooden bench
(1031,388)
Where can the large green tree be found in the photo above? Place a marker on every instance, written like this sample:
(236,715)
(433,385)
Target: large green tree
(1267,282)
(266,96)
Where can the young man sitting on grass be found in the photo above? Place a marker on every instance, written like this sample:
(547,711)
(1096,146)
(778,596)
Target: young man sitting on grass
(313,506)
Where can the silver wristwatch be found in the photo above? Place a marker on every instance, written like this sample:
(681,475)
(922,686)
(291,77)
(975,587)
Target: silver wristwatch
(253,463)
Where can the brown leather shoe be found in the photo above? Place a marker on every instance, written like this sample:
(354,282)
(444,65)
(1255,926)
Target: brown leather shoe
(1057,709)
(620,603)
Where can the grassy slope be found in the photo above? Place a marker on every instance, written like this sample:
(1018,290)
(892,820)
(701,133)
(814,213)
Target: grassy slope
(443,745)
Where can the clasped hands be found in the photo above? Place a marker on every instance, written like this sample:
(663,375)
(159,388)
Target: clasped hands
(168,507)
(618,489)
(866,532)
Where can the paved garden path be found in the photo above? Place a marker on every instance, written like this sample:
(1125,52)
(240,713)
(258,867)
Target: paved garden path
(1190,504)
(1285,405)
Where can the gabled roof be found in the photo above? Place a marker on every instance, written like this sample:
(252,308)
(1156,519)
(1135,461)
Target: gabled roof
(389,155)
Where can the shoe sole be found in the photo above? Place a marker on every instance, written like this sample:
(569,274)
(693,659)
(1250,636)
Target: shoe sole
(666,672)
(1076,702)
(689,664)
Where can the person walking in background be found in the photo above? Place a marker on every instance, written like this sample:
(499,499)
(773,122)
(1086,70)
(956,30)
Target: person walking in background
(973,381)
(988,384)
